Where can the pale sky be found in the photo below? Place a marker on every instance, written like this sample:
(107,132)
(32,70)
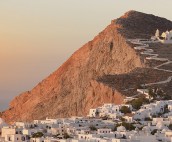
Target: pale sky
(37,36)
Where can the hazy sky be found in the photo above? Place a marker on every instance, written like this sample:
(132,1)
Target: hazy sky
(37,36)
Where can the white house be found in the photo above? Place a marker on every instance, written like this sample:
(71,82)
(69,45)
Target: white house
(151,109)
(127,99)
(16,138)
(165,121)
(119,140)
(144,92)
(170,107)
(85,136)
(93,113)
(41,139)
(121,129)
(141,114)
(103,131)
(109,110)
(9,130)
(50,139)
(30,131)
(24,124)
(128,118)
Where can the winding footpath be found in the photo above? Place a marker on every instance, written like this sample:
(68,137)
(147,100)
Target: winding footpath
(152,56)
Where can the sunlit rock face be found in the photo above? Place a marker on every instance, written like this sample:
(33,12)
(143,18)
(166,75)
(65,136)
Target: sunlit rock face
(73,88)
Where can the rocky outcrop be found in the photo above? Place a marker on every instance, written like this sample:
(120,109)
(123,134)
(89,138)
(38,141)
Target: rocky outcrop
(141,25)
(73,88)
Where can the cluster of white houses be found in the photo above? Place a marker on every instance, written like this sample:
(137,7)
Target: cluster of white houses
(96,129)
(110,110)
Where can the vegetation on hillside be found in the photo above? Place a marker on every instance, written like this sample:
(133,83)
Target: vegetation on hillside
(137,103)
(125,109)
(37,135)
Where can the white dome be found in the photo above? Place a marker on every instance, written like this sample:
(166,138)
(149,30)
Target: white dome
(121,129)
(2,123)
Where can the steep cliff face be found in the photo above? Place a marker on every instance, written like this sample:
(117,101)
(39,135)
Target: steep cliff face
(72,89)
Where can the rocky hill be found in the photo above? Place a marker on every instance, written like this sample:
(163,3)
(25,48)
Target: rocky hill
(81,82)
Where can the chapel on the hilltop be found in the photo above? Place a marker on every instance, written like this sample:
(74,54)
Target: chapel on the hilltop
(166,37)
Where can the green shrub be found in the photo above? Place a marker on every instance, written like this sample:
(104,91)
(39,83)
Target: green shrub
(148,119)
(66,136)
(137,103)
(37,135)
(93,128)
(125,109)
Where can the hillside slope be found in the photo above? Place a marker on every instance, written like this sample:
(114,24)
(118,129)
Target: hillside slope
(73,88)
